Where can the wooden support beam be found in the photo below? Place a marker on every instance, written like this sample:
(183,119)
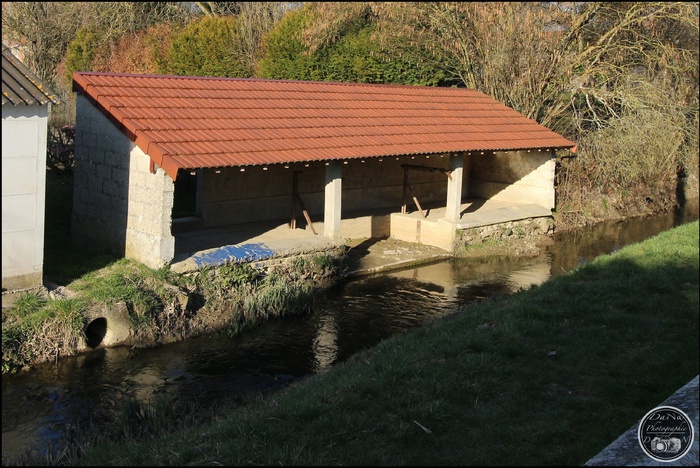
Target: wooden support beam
(415,200)
(407,187)
(405,184)
(306,215)
(293,221)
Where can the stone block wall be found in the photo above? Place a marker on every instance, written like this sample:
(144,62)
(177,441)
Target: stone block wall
(378,183)
(232,196)
(513,176)
(363,226)
(149,215)
(119,206)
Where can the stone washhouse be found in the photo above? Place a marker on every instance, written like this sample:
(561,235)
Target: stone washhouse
(194,171)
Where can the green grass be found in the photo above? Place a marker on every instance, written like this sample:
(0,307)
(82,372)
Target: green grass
(547,376)
(37,330)
(124,280)
(161,304)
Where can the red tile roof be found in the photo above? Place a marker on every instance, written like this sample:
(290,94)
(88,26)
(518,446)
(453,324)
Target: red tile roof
(195,122)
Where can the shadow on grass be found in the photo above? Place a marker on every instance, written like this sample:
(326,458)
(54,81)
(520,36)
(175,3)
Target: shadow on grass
(576,360)
(64,261)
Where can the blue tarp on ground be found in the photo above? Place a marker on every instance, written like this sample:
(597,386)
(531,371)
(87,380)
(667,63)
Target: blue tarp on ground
(233,254)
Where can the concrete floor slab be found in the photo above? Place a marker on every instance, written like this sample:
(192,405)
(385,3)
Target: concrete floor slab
(366,256)
(245,245)
(480,212)
(216,246)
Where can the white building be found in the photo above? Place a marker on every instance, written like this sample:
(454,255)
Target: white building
(26,104)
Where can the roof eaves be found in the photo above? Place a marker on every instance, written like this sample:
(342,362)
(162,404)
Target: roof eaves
(121,121)
(20,85)
(162,159)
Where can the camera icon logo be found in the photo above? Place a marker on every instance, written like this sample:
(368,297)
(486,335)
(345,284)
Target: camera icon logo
(666,434)
(664,445)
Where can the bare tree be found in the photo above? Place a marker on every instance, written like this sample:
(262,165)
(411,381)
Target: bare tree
(254,20)
(44,30)
(548,60)
(218,8)
(616,45)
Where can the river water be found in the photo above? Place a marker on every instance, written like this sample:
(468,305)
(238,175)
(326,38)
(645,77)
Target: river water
(42,406)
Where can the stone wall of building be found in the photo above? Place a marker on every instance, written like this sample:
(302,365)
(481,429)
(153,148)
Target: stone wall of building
(514,176)
(232,196)
(119,206)
(149,216)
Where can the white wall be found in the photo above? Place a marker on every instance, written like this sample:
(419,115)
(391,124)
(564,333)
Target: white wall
(24,133)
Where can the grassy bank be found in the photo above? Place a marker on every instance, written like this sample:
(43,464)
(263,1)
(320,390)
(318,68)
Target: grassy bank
(547,376)
(162,306)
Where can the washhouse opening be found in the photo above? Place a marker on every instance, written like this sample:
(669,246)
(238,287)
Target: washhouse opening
(95,332)
(185,197)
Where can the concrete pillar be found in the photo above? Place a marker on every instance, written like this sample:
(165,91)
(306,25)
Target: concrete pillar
(334,186)
(454,188)
(553,176)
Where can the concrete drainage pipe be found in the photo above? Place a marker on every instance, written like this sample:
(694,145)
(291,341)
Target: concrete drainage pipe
(107,326)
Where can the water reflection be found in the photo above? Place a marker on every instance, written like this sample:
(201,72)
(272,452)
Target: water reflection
(46,404)
(325,344)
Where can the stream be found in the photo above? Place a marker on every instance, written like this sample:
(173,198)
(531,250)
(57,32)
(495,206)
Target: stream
(42,406)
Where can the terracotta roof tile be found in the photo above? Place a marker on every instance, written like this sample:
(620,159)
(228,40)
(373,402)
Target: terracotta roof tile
(194,122)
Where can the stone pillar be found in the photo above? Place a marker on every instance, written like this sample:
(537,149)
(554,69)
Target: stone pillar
(454,188)
(331,214)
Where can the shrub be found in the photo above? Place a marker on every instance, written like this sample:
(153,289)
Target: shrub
(284,54)
(355,56)
(206,47)
(81,52)
(142,51)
